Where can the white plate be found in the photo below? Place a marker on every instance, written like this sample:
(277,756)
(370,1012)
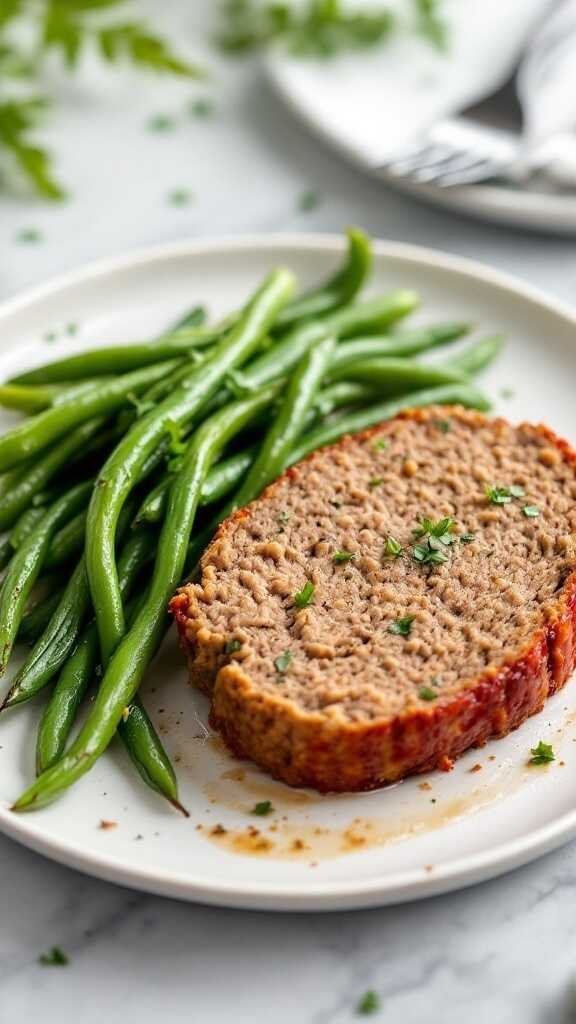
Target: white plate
(426,836)
(352,105)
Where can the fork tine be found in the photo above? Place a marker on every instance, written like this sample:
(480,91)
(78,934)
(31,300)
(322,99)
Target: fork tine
(482,170)
(424,156)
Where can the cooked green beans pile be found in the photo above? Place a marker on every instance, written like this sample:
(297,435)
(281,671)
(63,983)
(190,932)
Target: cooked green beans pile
(128,457)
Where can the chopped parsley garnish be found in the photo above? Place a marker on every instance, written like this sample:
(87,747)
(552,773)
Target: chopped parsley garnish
(282,662)
(282,519)
(56,957)
(308,201)
(427,693)
(174,431)
(507,392)
(531,511)
(369,1003)
(29,236)
(444,426)
(375,482)
(542,754)
(232,646)
(504,495)
(201,107)
(467,538)
(392,548)
(440,530)
(263,808)
(341,557)
(429,553)
(160,123)
(381,445)
(305,596)
(72,328)
(179,197)
(402,627)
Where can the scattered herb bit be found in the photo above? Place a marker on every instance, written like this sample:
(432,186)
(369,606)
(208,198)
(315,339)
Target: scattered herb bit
(381,445)
(430,25)
(467,538)
(201,108)
(308,201)
(282,519)
(317,28)
(340,557)
(402,627)
(531,511)
(542,754)
(504,495)
(174,431)
(305,596)
(232,646)
(263,808)
(427,554)
(161,123)
(139,404)
(440,530)
(50,336)
(436,681)
(29,236)
(369,1003)
(444,426)
(427,693)
(56,957)
(180,197)
(71,329)
(282,662)
(375,482)
(336,504)
(507,392)
(392,548)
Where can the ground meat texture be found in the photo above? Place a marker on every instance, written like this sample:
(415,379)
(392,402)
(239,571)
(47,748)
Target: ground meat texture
(395,665)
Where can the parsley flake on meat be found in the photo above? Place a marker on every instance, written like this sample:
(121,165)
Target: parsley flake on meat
(392,548)
(282,662)
(305,596)
(503,495)
(402,627)
(341,557)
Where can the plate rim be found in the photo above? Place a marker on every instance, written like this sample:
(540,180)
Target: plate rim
(518,207)
(404,886)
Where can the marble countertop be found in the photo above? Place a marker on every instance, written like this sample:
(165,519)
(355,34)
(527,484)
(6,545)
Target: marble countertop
(499,953)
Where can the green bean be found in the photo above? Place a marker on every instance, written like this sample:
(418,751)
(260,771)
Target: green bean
(6,552)
(121,470)
(372,314)
(41,471)
(287,426)
(60,711)
(401,344)
(59,637)
(27,399)
(148,754)
(132,656)
(339,289)
(477,357)
(448,394)
(36,619)
(25,566)
(36,433)
(67,542)
(120,359)
(26,523)
(397,376)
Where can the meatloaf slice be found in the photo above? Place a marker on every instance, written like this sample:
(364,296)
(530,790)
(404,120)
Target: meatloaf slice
(336,660)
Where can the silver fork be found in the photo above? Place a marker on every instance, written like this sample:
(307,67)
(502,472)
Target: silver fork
(458,152)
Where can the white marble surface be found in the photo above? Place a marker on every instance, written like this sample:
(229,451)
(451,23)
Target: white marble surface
(500,953)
